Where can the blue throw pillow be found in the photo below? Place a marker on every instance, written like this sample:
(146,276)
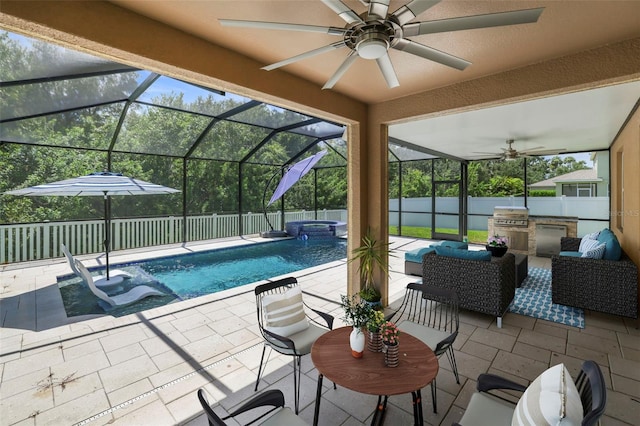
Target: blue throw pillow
(464,254)
(416,255)
(612,250)
(604,235)
(571,253)
(455,245)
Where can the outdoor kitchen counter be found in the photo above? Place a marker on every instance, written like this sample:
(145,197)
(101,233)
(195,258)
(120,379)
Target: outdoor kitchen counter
(529,231)
(544,219)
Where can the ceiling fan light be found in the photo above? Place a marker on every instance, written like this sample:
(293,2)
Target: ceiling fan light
(372,48)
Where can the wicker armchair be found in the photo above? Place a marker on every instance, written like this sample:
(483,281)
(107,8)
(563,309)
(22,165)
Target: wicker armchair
(486,287)
(609,286)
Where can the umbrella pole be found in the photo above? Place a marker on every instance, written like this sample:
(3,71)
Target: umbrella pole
(106,232)
(271,233)
(264,197)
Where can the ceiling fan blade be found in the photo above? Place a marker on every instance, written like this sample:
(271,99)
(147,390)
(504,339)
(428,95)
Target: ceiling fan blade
(305,55)
(486,154)
(526,16)
(378,9)
(341,70)
(385,65)
(489,157)
(431,54)
(343,11)
(414,8)
(281,26)
(543,152)
(535,148)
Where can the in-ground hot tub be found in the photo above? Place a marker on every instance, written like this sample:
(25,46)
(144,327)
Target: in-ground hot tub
(316,228)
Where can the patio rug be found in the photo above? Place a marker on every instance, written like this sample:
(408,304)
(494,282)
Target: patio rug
(533,299)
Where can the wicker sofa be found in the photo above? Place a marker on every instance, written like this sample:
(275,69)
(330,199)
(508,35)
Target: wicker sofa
(609,286)
(482,286)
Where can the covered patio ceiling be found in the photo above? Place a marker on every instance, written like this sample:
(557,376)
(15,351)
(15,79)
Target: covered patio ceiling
(587,120)
(572,122)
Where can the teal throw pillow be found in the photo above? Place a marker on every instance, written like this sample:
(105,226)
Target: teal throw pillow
(464,254)
(451,244)
(416,255)
(571,254)
(455,245)
(612,250)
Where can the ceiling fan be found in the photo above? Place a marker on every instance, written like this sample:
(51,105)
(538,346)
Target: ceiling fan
(510,154)
(371,34)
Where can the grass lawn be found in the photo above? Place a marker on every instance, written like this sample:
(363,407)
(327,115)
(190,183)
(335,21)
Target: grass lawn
(475,236)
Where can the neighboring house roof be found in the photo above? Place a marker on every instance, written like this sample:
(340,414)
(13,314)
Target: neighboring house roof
(586,175)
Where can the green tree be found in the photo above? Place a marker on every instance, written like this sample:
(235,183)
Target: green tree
(504,186)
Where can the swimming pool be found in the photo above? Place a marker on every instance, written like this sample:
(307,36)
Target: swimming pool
(196,274)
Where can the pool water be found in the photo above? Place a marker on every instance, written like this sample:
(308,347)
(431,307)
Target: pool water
(196,274)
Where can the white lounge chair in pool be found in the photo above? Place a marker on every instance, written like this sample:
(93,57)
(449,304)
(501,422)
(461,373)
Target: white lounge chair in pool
(133,295)
(115,276)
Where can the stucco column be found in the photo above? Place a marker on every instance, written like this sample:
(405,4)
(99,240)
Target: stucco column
(378,214)
(356,200)
(368,194)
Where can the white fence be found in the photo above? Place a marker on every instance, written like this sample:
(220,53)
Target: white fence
(593,212)
(33,241)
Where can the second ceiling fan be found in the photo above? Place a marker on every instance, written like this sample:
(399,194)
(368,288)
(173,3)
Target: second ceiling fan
(510,153)
(371,34)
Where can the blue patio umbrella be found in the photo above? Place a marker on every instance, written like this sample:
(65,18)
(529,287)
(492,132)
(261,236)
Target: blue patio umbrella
(104,184)
(293,175)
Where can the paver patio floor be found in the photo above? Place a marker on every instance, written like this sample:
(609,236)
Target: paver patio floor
(145,368)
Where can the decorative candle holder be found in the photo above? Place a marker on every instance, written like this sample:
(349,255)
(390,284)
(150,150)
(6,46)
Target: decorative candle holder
(391,355)
(374,343)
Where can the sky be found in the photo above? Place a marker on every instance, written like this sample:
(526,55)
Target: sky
(584,156)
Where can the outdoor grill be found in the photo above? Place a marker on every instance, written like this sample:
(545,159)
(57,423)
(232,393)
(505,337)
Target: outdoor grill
(510,216)
(505,219)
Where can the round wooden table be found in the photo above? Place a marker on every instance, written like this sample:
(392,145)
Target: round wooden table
(331,355)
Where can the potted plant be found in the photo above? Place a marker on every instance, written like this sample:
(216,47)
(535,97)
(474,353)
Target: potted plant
(372,255)
(390,333)
(497,245)
(376,320)
(357,314)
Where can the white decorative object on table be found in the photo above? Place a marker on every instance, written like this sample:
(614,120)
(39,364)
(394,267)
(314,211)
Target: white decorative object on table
(356,341)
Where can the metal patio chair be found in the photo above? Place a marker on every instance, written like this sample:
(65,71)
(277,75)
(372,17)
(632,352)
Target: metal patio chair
(431,315)
(488,409)
(279,415)
(286,327)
